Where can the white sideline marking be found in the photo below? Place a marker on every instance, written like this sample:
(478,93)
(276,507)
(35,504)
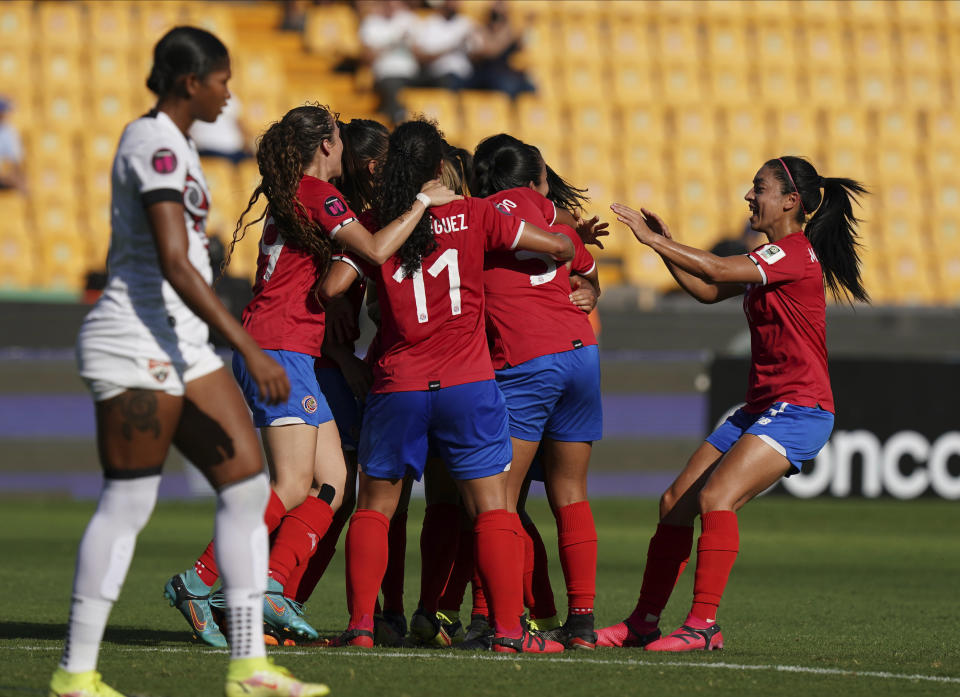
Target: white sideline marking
(464,656)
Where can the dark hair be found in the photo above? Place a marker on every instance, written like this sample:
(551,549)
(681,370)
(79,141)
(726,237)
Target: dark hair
(184,51)
(283,152)
(413,158)
(364,141)
(832,229)
(503,162)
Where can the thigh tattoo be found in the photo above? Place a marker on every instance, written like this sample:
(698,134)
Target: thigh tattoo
(138,411)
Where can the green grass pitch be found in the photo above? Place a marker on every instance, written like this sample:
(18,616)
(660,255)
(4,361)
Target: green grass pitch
(827,597)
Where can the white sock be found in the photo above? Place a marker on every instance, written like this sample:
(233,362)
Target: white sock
(242,554)
(102,562)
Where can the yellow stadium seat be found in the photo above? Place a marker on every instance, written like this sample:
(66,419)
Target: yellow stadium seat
(816,11)
(822,47)
(951,11)
(875,87)
(332,29)
(679,84)
(867,12)
(893,161)
(742,124)
(739,161)
(595,121)
(775,44)
(728,11)
(795,132)
(692,158)
(440,105)
(923,88)
(919,48)
(63,264)
(580,42)
(823,88)
(700,227)
(847,126)
(15,67)
(631,82)
(945,233)
(62,111)
(911,278)
(111,24)
(110,69)
(898,198)
(943,127)
(63,20)
(872,47)
(540,42)
(54,146)
(899,126)
(110,109)
(538,119)
(643,120)
(645,268)
(531,10)
(51,180)
(98,148)
(16,23)
(18,262)
(628,43)
(648,192)
(779,84)
(57,217)
(917,13)
(727,43)
(642,157)
(774,11)
(727,85)
(677,11)
(213,17)
(583,82)
(946,197)
(620,12)
(677,42)
(153,19)
(695,124)
(95,218)
(484,113)
(589,157)
(61,69)
(942,161)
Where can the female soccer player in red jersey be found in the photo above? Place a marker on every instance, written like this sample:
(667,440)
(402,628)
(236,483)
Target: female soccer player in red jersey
(434,387)
(297,157)
(547,365)
(788,414)
(144,352)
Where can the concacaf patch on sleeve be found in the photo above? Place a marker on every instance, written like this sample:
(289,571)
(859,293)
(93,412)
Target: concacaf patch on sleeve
(334,205)
(771,253)
(164,161)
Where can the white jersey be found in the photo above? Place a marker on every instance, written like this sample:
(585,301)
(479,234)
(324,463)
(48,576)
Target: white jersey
(139,313)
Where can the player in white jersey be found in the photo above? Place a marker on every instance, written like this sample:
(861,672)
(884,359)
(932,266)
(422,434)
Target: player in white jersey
(143,352)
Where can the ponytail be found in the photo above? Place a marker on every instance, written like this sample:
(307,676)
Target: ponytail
(184,51)
(283,152)
(832,230)
(414,155)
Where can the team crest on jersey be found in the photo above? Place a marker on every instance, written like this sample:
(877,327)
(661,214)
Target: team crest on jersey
(334,205)
(160,370)
(309,404)
(164,161)
(771,253)
(195,199)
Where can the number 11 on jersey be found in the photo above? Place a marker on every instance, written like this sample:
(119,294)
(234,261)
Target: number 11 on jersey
(446,260)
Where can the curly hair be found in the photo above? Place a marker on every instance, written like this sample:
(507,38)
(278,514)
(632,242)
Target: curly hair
(414,155)
(283,152)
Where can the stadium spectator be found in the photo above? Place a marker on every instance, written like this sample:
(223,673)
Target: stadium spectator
(143,351)
(788,416)
(225,137)
(386,32)
(11,151)
(444,42)
(491,59)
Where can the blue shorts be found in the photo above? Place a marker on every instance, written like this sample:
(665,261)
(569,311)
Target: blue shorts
(555,396)
(465,425)
(306,404)
(797,433)
(346,410)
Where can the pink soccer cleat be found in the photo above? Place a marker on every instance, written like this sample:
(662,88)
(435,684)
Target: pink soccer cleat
(622,635)
(689,638)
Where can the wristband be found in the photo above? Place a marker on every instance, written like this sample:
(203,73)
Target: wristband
(424,199)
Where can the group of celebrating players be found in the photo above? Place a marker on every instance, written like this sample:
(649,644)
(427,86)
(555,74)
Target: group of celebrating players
(484,374)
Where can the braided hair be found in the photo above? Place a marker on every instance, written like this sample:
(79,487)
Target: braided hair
(283,152)
(832,229)
(414,155)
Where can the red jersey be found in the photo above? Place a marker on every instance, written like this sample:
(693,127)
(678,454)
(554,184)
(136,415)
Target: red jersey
(432,324)
(529,313)
(787,318)
(284,314)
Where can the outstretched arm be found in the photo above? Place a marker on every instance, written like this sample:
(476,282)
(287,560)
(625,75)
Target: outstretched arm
(534,239)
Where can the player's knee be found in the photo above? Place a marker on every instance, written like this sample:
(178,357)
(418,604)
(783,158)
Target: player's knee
(129,502)
(712,499)
(667,502)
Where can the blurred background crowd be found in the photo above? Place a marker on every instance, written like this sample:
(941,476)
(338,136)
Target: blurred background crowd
(668,104)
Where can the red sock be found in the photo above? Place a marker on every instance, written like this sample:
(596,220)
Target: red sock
(297,537)
(367,552)
(577,538)
(716,552)
(206,565)
(501,569)
(480,606)
(537,591)
(393,578)
(438,551)
(302,581)
(460,574)
(667,557)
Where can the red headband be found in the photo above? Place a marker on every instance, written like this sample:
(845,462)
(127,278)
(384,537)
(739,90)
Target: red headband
(799,197)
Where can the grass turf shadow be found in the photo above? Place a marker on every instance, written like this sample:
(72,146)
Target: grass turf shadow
(45,631)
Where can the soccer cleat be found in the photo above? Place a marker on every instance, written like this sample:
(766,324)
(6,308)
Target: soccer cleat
(426,629)
(689,638)
(529,642)
(478,636)
(285,616)
(452,625)
(196,610)
(623,635)
(358,638)
(259,677)
(579,632)
(88,684)
(389,629)
(543,624)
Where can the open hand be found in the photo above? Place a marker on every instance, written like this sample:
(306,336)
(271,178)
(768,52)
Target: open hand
(438,193)
(590,230)
(645,224)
